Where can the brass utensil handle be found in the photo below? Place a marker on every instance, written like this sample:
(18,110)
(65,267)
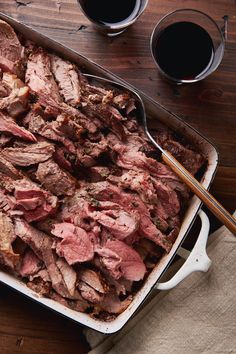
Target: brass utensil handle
(217,209)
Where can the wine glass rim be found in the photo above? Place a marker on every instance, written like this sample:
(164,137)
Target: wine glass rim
(115,26)
(205,74)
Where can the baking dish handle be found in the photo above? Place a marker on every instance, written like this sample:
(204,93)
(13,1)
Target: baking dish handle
(196,260)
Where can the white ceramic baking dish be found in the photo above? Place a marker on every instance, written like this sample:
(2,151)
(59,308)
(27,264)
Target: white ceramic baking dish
(198,259)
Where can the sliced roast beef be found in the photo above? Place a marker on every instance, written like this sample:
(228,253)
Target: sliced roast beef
(29,155)
(67,79)
(135,160)
(43,274)
(68,274)
(52,132)
(93,279)
(123,101)
(132,204)
(76,246)
(16,102)
(54,179)
(11,51)
(89,152)
(167,197)
(37,240)
(35,203)
(109,115)
(138,181)
(41,244)
(8,125)
(30,264)
(89,293)
(77,305)
(69,127)
(7,236)
(110,260)
(128,263)
(39,77)
(8,169)
(119,223)
(34,122)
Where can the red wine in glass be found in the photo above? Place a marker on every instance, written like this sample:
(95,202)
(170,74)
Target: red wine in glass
(112,17)
(184,50)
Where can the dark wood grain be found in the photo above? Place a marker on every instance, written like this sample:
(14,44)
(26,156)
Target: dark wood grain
(209,106)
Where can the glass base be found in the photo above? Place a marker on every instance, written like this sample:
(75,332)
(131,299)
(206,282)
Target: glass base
(114,34)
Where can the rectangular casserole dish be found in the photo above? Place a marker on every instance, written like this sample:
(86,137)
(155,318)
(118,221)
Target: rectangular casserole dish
(157,113)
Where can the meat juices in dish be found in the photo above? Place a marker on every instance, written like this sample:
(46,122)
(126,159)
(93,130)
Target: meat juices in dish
(87,208)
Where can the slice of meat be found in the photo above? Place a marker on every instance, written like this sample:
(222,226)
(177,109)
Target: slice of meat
(7,236)
(33,121)
(121,286)
(35,203)
(51,131)
(138,181)
(109,116)
(11,51)
(92,150)
(69,127)
(76,246)
(8,125)
(110,260)
(93,279)
(41,244)
(77,305)
(54,179)
(125,102)
(67,79)
(68,274)
(131,266)
(136,160)
(131,203)
(16,102)
(89,293)
(37,240)
(43,274)
(29,155)
(8,169)
(30,264)
(39,77)
(160,196)
(167,197)
(118,222)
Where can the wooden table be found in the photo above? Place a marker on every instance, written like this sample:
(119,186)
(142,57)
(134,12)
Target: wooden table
(209,106)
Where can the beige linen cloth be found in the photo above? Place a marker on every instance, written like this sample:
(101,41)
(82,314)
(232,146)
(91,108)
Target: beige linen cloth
(198,316)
